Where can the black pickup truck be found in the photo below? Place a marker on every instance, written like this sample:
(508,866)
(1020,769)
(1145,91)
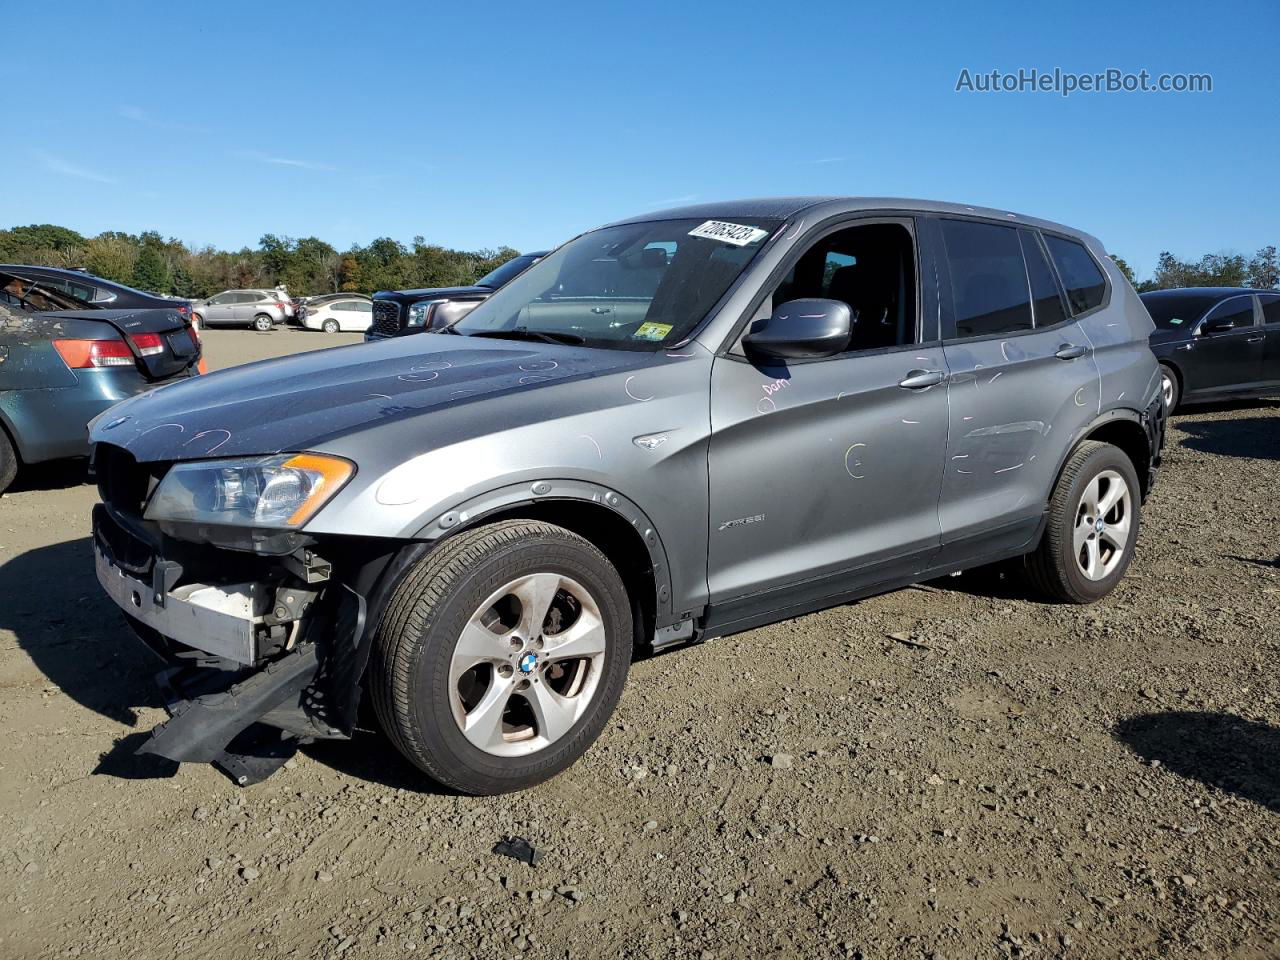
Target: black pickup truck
(397,313)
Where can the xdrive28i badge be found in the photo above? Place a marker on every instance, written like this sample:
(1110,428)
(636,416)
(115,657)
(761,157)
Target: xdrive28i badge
(741,521)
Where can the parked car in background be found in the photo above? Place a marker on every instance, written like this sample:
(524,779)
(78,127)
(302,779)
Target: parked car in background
(64,360)
(343,314)
(259,309)
(673,428)
(400,312)
(1215,343)
(95,290)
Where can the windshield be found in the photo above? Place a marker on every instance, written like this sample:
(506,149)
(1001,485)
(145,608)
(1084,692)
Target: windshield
(636,286)
(1178,312)
(500,276)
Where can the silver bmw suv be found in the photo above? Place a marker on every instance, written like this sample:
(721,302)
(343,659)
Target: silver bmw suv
(672,428)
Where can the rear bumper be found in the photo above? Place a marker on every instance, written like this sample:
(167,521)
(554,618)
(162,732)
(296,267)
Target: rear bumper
(1153,422)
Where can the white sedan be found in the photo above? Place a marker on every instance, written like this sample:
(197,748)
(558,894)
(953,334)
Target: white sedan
(336,315)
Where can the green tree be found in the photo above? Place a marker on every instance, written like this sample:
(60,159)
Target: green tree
(1124,268)
(151,271)
(1264,269)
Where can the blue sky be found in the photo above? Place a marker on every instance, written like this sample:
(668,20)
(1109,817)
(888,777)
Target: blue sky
(482,124)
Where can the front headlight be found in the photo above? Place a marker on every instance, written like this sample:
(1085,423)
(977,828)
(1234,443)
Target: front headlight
(280,491)
(420,312)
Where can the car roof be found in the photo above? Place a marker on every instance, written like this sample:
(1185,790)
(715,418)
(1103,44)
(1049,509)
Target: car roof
(1222,292)
(820,207)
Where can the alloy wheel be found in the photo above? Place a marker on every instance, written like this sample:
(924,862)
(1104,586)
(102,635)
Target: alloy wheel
(1103,520)
(527,665)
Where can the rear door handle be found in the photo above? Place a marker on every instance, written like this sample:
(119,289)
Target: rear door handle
(919,379)
(1257,339)
(1071,351)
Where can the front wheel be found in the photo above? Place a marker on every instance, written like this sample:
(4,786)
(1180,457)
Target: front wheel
(8,462)
(502,655)
(330,326)
(262,323)
(1092,526)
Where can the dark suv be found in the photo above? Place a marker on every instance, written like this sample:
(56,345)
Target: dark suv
(400,312)
(672,428)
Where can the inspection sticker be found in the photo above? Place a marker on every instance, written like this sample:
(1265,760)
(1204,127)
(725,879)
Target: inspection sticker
(652,331)
(736,233)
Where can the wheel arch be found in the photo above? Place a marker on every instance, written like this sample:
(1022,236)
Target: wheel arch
(1125,429)
(614,524)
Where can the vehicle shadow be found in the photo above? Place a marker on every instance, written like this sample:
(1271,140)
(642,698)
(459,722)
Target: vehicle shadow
(73,632)
(1218,749)
(371,756)
(1254,437)
(53,475)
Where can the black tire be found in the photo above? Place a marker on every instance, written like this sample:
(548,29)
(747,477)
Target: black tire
(330,326)
(414,645)
(8,461)
(1173,390)
(262,323)
(1052,568)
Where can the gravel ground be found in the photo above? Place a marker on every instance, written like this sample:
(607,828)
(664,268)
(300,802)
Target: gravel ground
(948,771)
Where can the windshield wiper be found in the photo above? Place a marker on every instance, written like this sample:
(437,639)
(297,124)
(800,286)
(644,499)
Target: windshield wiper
(524,333)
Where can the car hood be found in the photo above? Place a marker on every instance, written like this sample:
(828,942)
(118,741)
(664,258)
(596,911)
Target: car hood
(432,292)
(304,401)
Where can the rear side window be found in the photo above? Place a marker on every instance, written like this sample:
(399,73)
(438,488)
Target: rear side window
(1044,288)
(1086,286)
(1270,308)
(988,278)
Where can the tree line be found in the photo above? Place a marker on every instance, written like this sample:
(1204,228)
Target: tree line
(306,265)
(309,266)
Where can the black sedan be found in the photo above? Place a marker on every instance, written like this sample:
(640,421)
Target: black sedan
(1216,343)
(95,290)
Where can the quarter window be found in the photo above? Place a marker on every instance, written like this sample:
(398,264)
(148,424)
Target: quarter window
(1270,308)
(988,278)
(1086,286)
(1045,298)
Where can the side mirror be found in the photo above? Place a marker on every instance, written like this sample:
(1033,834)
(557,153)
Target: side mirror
(1217,326)
(802,330)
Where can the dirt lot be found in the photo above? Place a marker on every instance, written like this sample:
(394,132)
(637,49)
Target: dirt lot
(948,771)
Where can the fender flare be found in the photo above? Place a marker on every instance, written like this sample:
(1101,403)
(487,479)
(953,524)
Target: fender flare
(472,511)
(1151,422)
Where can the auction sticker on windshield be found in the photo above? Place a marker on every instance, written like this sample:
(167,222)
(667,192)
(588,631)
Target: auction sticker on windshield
(652,331)
(736,233)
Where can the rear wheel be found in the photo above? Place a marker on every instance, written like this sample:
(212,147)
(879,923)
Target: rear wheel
(8,462)
(330,326)
(262,323)
(502,655)
(1092,527)
(1170,386)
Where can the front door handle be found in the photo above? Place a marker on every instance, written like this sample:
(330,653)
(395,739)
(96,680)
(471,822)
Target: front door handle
(1071,351)
(919,379)
(1258,339)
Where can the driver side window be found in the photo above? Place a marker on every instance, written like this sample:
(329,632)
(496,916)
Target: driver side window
(869,267)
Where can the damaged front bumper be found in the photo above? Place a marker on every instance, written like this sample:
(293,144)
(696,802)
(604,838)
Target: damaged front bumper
(252,668)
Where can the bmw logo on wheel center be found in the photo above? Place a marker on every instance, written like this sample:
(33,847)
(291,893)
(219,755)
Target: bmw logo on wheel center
(528,662)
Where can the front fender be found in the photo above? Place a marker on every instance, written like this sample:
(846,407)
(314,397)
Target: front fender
(475,509)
